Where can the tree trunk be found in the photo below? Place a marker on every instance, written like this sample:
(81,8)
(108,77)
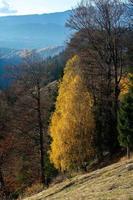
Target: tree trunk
(3,192)
(128,152)
(116,107)
(117,92)
(41,135)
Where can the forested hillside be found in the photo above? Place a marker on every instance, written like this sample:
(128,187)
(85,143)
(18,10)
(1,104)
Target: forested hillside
(11,57)
(72,113)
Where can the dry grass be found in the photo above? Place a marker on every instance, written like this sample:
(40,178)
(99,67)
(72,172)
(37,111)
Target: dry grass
(114,182)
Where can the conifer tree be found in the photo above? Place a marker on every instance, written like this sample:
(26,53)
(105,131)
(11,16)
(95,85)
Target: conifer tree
(125,120)
(72,123)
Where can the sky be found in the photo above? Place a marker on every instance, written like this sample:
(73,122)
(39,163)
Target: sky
(22,7)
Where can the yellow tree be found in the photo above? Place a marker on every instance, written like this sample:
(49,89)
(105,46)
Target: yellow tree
(72,124)
(125,84)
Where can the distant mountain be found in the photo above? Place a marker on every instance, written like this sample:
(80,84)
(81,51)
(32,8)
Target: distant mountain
(34,31)
(9,57)
(13,54)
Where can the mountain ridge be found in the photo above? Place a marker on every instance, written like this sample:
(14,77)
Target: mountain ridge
(34,31)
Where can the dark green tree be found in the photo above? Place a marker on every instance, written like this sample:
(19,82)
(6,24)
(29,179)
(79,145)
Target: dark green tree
(125,121)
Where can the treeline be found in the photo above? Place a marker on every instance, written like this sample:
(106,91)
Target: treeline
(55,120)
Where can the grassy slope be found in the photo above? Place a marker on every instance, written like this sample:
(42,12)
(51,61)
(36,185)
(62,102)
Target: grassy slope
(110,183)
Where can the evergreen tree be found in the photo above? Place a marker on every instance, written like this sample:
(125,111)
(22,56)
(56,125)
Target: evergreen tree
(72,124)
(125,120)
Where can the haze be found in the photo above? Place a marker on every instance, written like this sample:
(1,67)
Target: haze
(24,7)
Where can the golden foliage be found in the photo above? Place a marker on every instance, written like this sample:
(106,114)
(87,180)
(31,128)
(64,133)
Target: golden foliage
(72,124)
(125,84)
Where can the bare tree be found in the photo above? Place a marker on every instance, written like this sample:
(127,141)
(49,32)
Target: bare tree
(30,78)
(33,76)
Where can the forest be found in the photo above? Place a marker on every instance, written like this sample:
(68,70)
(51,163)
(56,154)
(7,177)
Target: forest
(62,114)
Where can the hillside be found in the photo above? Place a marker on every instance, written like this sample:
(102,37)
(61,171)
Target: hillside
(114,182)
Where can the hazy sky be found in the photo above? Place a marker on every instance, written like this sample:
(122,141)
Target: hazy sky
(21,7)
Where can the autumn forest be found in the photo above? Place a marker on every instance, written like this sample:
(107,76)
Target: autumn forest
(65,114)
